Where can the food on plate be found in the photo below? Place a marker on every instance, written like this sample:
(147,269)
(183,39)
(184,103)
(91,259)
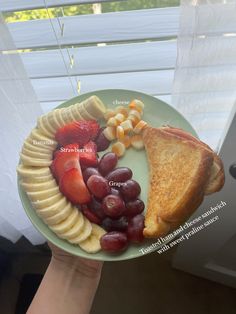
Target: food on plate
(180,173)
(78,195)
(124,125)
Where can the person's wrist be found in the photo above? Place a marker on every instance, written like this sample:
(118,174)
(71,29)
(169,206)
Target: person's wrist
(77,268)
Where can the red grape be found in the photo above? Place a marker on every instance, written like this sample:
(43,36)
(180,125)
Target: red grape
(101,141)
(88,172)
(134,207)
(130,190)
(107,163)
(115,192)
(90,215)
(120,224)
(98,186)
(120,174)
(135,229)
(96,208)
(113,206)
(114,241)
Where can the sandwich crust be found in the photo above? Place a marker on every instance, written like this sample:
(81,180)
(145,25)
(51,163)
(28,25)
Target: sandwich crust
(179,171)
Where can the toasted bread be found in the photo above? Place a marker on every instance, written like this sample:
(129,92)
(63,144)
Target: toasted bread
(217,176)
(179,171)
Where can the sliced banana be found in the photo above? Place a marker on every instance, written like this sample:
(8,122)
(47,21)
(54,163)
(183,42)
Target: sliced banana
(84,113)
(92,244)
(53,209)
(70,114)
(48,125)
(34,187)
(36,162)
(65,116)
(35,148)
(34,154)
(76,229)
(41,195)
(43,128)
(47,202)
(76,113)
(33,172)
(37,179)
(66,224)
(37,138)
(52,121)
(85,233)
(95,107)
(60,216)
(57,117)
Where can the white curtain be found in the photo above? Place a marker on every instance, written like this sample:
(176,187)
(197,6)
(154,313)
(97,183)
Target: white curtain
(19,109)
(204,89)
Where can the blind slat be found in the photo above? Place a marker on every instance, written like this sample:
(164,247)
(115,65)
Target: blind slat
(16,5)
(102,60)
(99,28)
(150,82)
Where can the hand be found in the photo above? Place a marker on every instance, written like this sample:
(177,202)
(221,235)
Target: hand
(84,267)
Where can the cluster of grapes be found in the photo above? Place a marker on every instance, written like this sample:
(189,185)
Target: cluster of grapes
(115,204)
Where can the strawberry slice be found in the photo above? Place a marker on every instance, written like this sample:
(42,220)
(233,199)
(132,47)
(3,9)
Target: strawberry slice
(88,157)
(80,132)
(73,187)
(66,159)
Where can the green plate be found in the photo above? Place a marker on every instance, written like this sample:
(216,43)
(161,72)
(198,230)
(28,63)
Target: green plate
(156,113)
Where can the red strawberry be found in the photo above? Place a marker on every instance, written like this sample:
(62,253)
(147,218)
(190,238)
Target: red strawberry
(90,215)
(88,157)
(66,159)
(77,132)
(73,187)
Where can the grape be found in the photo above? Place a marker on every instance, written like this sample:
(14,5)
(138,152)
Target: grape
(107,163)
(90,215)
(134,208)
(120,224)
(135,229)
(115,192)
(98,186)
(114,241)
(120,174)
(102,142)
(113,206)
(130,190)
(96,208)
(88,172)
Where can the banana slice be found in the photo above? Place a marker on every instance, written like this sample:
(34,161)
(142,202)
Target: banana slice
(84,234)
(70,114)
(60,216)
(33,172)
(84,113)
(53,209)
(37,138)
(48,125)
(35,148)
(37,179)
(66,224)
(65,117)
(36,162)
(92,244)
(34,187)
(57,118)
(76,113)
(54,124)
(43,128)
(95,107)
(41,195)
(76,229)
(33,154)
(47,202)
